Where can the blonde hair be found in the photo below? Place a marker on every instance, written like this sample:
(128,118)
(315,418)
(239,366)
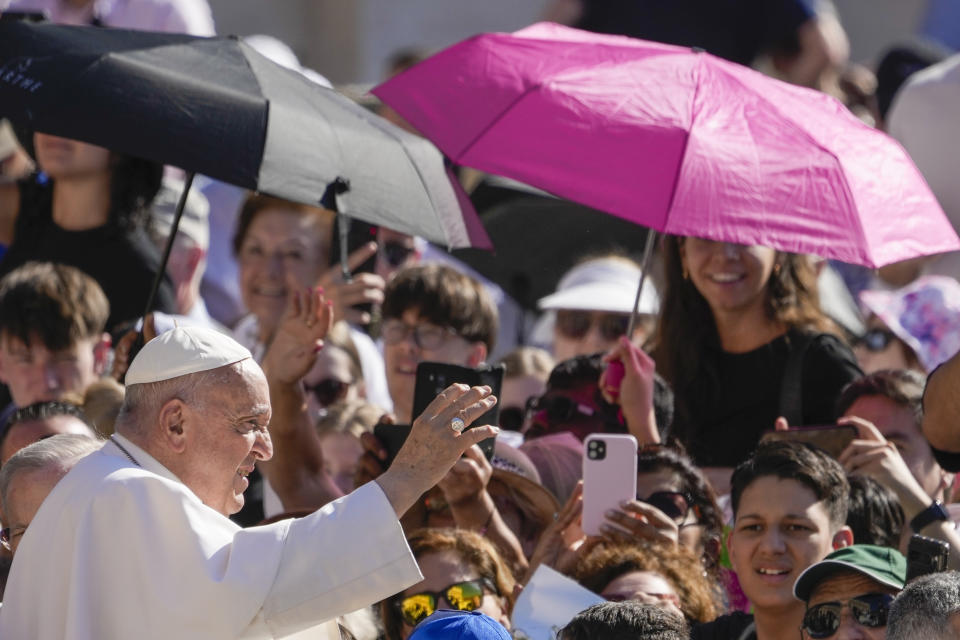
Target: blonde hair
(355,417)
(528,361)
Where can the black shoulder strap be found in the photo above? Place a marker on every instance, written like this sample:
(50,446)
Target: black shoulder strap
(791,387)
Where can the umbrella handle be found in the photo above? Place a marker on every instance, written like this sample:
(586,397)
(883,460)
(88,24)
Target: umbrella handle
(329,201)
(644,267)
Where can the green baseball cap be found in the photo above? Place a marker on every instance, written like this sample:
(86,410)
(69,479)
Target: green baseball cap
(882,564)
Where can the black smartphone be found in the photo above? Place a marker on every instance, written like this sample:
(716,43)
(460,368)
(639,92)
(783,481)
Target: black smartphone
(359,233)
(926,555)
(432,378)
(832,438)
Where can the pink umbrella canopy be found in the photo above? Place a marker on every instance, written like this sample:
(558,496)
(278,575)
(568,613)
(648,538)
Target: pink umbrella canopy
(674,139)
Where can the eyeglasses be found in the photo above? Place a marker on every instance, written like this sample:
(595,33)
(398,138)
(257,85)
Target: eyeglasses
(328,391)
(558,408)
(462,596)
(395,253)
(7,535)
(425,336)
(674,504)
(576,324)
(869,610)
(875,339)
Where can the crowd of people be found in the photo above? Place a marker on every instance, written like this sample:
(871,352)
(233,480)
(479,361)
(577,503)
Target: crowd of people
(229,465)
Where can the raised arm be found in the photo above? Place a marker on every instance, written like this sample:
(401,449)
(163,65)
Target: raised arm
(296,470)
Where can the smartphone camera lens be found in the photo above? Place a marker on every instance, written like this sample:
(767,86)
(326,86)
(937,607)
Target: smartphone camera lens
(597,450)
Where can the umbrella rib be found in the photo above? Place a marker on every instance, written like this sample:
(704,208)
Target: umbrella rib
(848,192)
(686,143)
(503,113)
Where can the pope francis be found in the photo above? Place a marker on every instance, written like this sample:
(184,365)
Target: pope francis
(135,542)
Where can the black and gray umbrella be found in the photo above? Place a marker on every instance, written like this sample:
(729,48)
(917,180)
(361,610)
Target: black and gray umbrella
(215,106)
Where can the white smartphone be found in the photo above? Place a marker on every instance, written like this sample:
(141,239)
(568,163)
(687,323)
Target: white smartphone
(609,476)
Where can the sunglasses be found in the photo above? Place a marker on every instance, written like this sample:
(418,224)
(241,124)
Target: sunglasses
(7,535)
(576,324)
(674,504)
(869,610)
(462,596)
(395,253)
(328,391)
(875,339)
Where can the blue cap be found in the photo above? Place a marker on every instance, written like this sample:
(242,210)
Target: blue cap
(468,625)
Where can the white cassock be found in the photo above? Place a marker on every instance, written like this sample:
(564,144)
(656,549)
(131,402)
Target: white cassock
(119,552)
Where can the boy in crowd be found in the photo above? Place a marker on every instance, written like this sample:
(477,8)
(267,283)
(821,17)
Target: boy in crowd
(52,340)
(789,507)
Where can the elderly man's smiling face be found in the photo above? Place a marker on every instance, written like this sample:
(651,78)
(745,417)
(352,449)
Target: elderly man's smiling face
(226,436)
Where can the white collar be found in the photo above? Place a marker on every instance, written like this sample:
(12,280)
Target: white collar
(144,459)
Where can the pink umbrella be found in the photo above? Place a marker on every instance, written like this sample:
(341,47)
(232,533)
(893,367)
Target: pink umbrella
(676,140)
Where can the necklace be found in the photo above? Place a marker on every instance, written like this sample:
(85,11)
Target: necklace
(125,452)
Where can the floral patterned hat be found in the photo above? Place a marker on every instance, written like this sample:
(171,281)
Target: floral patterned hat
(925,315)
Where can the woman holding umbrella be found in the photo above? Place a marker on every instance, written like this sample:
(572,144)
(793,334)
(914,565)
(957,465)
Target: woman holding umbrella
(87,209)
(742,341)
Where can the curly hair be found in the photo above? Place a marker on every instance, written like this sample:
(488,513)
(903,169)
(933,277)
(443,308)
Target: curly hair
(472,549)
(608,561)
(687,333)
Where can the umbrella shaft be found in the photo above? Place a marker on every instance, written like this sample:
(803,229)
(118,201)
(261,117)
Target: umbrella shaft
(644,266)
(166,251)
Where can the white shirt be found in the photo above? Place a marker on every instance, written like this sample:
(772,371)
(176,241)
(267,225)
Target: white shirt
(118,551)
(172,16)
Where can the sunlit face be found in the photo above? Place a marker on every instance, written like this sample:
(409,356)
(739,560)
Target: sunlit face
(441,569)
(649,482)
(780,529)
(401,360)
(841,588)
(731,277)
(898,424)
(64,158)
(226,437)
(37,374)
(25,433)
(26,493)
(341,454)
(892,356)
(333,365)
(646,587)
(282,248)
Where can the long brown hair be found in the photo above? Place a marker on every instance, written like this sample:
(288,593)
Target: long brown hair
(687,333)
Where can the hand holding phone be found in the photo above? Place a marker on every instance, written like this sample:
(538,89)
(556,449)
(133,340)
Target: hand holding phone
(609,477)
(833,438)
(925,556)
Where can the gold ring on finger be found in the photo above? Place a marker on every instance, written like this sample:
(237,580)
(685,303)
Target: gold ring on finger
(458,425)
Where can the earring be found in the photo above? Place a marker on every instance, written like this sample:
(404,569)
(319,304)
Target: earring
(776,268)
